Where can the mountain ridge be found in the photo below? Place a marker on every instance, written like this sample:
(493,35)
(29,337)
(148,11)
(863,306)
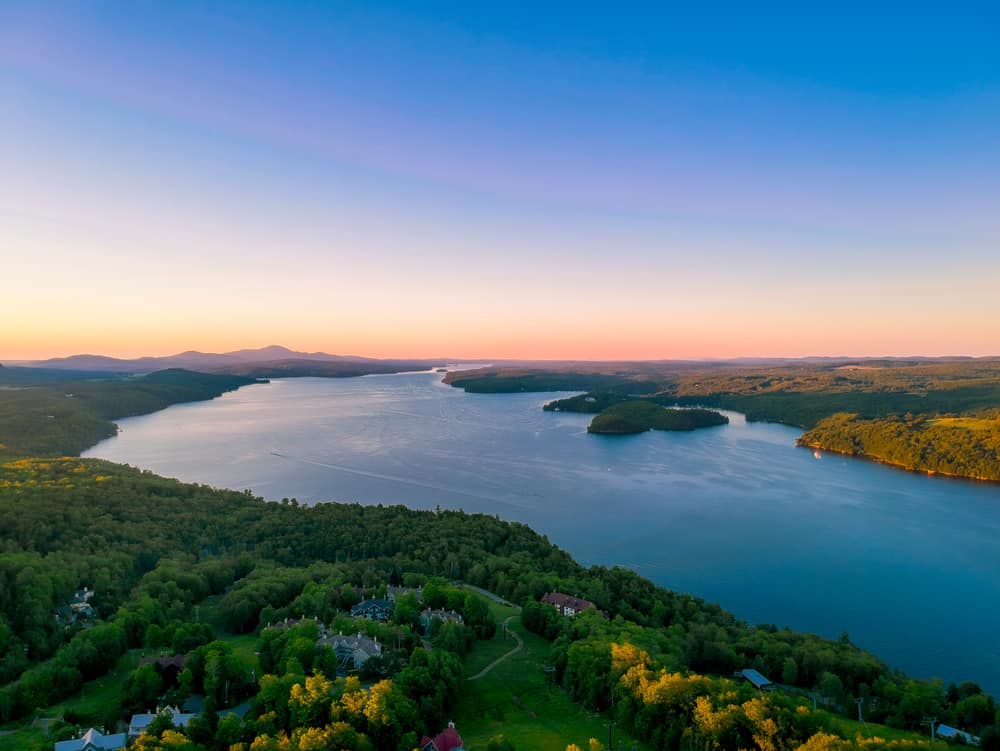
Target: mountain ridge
(195,360)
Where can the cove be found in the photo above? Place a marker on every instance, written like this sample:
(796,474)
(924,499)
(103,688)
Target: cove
(908,565)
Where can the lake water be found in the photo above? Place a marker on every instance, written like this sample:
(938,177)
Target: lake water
(908,565)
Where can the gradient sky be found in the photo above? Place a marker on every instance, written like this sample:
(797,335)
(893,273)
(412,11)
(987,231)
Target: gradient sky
(539,180)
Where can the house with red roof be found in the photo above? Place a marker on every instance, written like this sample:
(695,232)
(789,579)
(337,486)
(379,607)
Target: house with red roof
(447,740)
(567,604)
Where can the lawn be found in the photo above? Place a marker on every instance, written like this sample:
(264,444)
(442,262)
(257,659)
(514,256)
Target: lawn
(852,729)
(514,700)
(28,739)
(487,651)
(93,705)
(966,423)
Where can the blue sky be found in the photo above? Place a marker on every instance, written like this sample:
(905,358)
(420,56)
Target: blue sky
(537,180)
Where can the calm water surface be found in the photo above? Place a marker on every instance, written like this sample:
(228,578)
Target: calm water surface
(908,565)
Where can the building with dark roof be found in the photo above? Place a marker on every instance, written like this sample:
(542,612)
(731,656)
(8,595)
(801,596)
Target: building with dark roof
(373,609)
(567,604)
(169,667)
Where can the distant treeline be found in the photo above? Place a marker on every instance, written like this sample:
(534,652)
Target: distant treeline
(899,410)
(510,381)
(61,413)
(304,368)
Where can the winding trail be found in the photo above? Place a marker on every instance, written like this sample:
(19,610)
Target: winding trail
(501,658)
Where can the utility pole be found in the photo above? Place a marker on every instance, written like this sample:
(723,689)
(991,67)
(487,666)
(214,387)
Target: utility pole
(930,721)
(548,670)
(859,701)
(611,722)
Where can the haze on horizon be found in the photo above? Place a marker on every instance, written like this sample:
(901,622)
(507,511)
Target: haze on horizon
(539,182)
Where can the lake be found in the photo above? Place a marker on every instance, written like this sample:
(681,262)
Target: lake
(908,565)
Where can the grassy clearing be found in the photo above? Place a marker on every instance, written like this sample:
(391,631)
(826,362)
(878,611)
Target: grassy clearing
(966,423)
(853,729)
(513,700)
(487,651)
(97,698)
(28,739)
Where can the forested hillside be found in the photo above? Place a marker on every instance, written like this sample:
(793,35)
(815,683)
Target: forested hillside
(60,413)
(157,553)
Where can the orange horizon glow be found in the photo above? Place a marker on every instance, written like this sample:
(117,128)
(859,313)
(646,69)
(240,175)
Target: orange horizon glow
(455,350)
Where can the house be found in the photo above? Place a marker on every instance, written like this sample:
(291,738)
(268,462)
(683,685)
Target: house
(755,679)
(445,616)
(373,609)
(352,651)
(64,615)
(949,733)
(81,600)
(447,740)
(168,667)
(567,604)
(77,610)
(92,740)
(140,722)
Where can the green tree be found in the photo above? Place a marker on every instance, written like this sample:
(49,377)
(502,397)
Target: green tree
(790,671)
(142,688)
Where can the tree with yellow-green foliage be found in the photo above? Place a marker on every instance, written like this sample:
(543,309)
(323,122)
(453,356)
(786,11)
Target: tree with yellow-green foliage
(170,740)
(309,702)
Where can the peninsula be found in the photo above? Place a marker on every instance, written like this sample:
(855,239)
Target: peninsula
(939,416)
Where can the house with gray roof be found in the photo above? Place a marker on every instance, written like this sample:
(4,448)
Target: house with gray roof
(92,740)
(141,722)
(352,651)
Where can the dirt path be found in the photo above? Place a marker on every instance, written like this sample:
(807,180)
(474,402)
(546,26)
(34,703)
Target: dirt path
(501,658)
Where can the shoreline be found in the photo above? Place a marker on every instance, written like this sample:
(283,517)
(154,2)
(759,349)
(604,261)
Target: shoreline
(875,459)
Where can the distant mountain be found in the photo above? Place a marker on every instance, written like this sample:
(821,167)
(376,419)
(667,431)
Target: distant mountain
(343,368)
(274,358)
